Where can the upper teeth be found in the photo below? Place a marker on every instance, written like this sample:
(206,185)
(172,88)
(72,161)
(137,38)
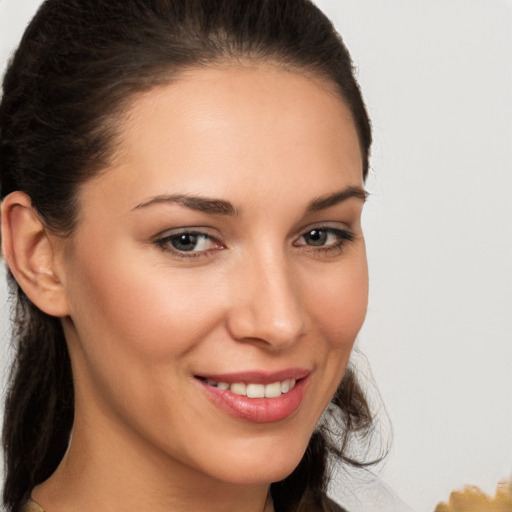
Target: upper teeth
(256,390)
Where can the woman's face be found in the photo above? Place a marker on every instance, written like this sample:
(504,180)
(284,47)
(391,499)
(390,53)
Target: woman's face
(217,278)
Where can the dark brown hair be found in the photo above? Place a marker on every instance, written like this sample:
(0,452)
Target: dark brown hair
(77,65)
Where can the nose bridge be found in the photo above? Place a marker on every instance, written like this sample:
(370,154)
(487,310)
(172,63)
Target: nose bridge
(269,308)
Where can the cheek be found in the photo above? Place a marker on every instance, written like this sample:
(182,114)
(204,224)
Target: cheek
(339,304)
(133,310)
(134,328)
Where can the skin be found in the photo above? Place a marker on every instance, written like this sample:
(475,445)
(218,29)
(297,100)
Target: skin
(142,319)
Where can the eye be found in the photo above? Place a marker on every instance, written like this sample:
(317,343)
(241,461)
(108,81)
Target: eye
(325,239)
(317,237)
(188,243)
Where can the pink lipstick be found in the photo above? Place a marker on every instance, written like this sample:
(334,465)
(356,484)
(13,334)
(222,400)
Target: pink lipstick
(258,397)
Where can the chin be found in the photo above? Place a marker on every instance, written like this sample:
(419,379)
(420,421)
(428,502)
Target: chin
(264,466)
(256,475)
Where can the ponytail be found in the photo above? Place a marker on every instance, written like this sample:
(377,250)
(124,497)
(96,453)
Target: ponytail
(39,402)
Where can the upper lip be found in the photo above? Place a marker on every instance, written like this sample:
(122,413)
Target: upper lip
(257,376)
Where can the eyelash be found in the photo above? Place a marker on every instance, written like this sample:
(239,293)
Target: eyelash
(342,237)
(166,244)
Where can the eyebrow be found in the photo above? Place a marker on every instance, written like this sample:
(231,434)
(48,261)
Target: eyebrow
(202,204)
(338,197)
(222,207)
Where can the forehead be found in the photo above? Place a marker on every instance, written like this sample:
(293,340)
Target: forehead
(219,128)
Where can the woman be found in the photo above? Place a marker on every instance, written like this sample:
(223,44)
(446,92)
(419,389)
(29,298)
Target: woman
(182,186)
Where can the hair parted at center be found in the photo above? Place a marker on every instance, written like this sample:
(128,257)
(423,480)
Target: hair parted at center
(78,65)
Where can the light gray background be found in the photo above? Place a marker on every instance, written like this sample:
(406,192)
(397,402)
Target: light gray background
(437,78)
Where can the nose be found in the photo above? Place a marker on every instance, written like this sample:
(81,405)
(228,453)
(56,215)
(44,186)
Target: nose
(267,305)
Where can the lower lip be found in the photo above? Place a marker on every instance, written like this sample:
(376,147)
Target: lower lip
(258,410)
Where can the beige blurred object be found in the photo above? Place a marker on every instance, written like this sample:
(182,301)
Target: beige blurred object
(472,499)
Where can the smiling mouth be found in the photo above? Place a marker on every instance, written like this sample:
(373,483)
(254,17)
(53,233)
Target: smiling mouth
(257,397)
(254,390)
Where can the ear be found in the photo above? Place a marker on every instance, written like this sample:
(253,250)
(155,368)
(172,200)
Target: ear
(33,255)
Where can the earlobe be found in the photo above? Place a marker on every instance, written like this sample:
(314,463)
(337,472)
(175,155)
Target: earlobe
(31,255)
